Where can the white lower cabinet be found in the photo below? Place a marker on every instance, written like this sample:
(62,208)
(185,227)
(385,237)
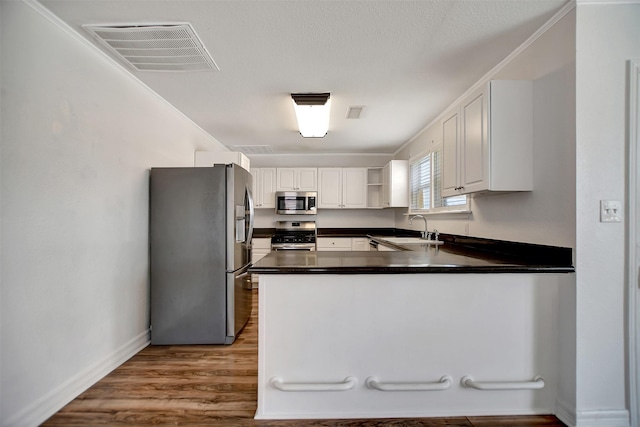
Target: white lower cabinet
(342,244)
(384,248)
(360,244)
(409,345)
(334,243)
(260,247)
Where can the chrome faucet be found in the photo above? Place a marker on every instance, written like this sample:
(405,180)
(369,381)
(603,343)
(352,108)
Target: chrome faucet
(425,233)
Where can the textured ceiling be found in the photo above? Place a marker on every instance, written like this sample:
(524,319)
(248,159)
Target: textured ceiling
(405,61)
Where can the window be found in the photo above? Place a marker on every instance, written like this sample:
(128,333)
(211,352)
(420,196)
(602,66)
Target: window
(420,173)
(425,174)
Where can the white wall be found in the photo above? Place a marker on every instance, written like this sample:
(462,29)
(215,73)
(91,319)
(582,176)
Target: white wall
(78,137)
(545,215)
(319,160)
(1,127)
(607,37)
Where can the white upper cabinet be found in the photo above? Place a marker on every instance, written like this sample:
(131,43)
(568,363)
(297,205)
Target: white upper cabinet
(488,140)
(342,188)
(297,179)
(395,184)
(354,188)
(264,187)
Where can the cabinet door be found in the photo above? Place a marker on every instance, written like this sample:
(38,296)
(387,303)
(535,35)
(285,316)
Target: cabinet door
(474,145)
(307,179)
(268,188)
(286,179)
(395,187)
(450,154)
(354,188)
(297,179)
(329,188)
(383,248)
(386,186)
(360,244)
(326,244)
(256,173)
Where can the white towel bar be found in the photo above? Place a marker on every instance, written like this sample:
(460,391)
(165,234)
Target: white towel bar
(536,384)
(443,384)
(347,384)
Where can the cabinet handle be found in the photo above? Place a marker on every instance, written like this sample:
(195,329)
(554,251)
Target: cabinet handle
(346,385)
(443,384)
(535,384)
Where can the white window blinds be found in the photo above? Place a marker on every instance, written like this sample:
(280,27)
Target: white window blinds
(420,172)
(426,184)
(439,201)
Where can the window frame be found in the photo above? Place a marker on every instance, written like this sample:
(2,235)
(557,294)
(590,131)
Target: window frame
(457,209)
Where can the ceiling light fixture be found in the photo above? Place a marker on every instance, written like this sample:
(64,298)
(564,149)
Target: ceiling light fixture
(312,112)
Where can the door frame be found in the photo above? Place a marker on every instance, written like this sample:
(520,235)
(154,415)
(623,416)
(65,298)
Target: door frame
(633,240)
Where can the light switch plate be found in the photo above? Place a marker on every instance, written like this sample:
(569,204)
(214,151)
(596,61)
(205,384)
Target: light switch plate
(610,211)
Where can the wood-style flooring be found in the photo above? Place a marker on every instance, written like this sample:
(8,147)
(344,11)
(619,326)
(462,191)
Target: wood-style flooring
(213,386)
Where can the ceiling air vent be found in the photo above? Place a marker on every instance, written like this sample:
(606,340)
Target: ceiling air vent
(355,111)
(251,149)
(155,47)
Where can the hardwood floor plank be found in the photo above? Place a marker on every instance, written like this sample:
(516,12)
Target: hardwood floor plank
(517,421)
(214,385)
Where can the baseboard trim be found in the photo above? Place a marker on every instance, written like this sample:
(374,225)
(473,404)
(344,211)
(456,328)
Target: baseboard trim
(261,415)
(604,418)
(566,412)
(44,407)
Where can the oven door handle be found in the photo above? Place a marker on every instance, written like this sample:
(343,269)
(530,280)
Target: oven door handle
(292,248)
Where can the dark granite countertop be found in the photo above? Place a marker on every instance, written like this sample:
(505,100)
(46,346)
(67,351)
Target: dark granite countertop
(432,260)
(263,233)
(344,232)
(458,254)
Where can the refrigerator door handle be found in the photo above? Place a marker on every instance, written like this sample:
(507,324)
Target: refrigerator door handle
(251,216)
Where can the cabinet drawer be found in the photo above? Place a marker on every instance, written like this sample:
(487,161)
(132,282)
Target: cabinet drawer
(334,244)
(360,244)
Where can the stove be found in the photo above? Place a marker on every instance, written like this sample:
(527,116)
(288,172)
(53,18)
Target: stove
(294,236)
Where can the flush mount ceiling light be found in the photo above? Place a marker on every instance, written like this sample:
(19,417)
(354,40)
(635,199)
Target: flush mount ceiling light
(312,112)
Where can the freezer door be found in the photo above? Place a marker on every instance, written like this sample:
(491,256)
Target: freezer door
(188,278)
(239,295)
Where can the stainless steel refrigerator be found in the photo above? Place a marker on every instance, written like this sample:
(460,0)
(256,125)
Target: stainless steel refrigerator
(201,224)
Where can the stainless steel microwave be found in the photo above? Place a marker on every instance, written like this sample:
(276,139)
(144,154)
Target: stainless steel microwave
(296,202)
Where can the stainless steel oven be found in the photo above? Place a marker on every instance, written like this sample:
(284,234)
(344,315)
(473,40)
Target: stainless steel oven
(294,236)
(296,202)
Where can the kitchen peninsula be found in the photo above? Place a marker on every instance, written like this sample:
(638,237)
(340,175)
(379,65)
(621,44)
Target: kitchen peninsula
(442,331)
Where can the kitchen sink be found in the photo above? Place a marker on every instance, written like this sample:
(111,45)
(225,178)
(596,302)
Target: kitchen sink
(404,241)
